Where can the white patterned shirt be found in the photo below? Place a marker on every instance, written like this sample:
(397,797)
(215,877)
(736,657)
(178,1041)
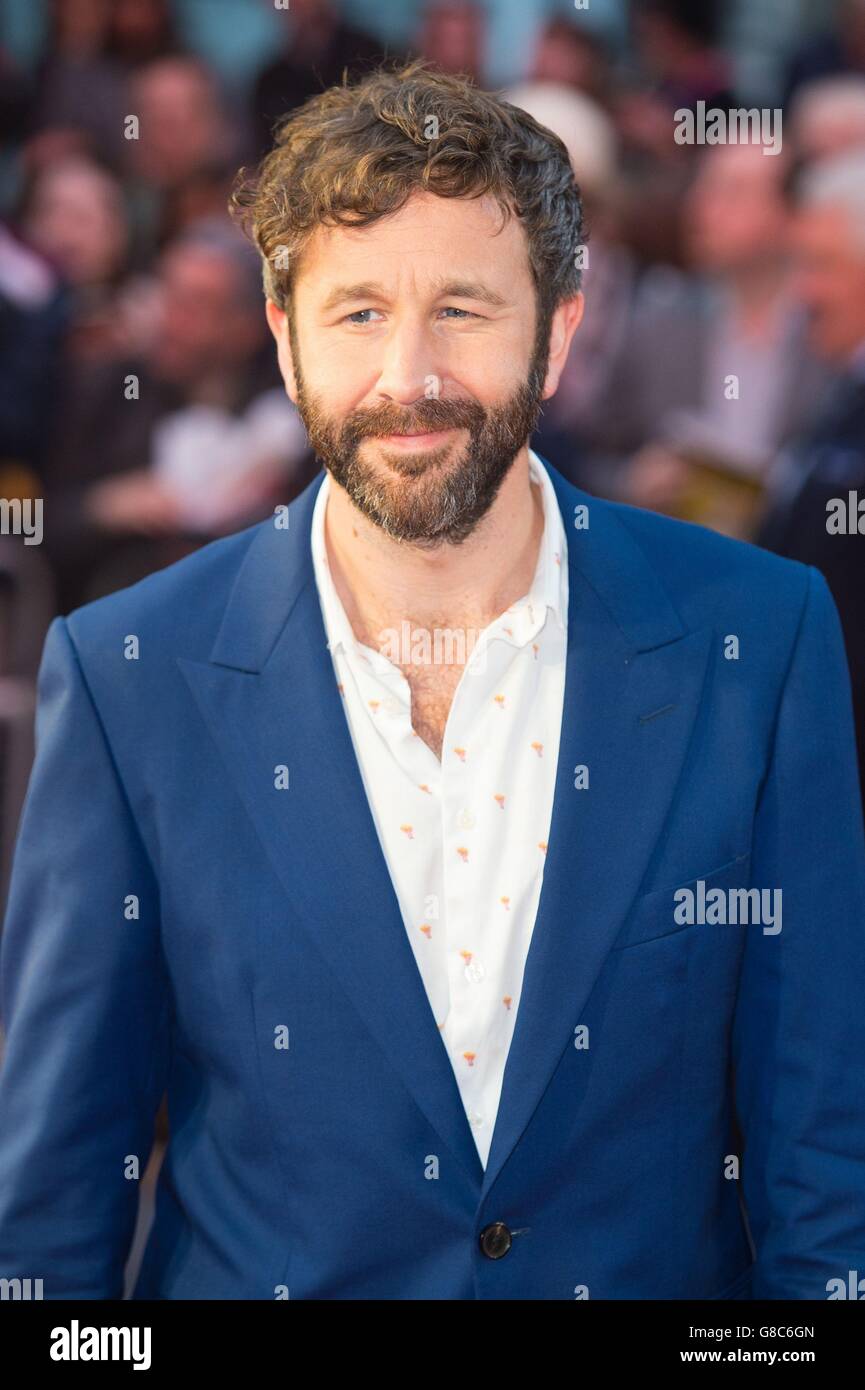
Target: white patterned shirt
(465,838)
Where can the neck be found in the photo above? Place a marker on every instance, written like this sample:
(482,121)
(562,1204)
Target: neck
(382,581)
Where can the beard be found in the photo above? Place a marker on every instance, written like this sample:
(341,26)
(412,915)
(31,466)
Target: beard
(436,495)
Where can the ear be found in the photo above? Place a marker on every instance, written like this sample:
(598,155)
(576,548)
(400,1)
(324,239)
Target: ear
(277,322)
(566,321)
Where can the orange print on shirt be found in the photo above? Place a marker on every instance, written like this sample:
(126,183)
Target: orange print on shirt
(374,705)
(424,788)
(506,904)
(470,1057)
(539,749)
(542,844)
(466,955)
(535,649)
(340,687)
(427,930)
(463,853)
(500,701)
(461,754)
(499,797)
(557,558)
(407,830)
(508,1000)
(508,630)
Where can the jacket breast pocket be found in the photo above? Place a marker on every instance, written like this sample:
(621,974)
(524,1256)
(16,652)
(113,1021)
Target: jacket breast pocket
(682,907)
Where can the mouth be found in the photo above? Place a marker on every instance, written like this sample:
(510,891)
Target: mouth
(421,440)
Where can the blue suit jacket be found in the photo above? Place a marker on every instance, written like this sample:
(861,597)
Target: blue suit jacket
(342,1165)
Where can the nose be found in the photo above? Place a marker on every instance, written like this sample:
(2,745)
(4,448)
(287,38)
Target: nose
(410,366)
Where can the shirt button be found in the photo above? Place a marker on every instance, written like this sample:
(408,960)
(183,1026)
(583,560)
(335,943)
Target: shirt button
(474,971)
(475,1119)
(465,819)
(495,1240)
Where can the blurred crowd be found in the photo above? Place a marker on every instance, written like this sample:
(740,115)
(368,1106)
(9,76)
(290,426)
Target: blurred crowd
(719,374)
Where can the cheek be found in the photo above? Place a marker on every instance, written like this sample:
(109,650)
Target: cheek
(488,368)
(340,369)
(335,394)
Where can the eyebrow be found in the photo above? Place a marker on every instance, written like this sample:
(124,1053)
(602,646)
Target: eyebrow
(450,289)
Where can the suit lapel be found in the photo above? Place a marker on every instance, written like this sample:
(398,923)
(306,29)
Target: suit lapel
(269,697)
(633,683)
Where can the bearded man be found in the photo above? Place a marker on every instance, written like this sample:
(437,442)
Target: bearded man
(397,925)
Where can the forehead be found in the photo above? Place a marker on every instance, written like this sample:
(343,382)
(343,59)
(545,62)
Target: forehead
(428,239)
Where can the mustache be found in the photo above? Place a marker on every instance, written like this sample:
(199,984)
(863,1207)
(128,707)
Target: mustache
(428,415)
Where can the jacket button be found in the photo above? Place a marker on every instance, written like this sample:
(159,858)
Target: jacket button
(495,1240)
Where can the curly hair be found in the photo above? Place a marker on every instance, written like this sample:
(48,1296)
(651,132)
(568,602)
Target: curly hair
(355,153)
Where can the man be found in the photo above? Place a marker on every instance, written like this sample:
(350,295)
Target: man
(815,480)
(403,925)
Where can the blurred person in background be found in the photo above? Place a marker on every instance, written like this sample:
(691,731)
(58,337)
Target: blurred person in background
(73,214)
(828,461)
(676,46)
(139,31)
(839,48)
(675,62)
(569,53)
(319,44)
(152,457)
(78,87)
(735,316)
(180,165)
(33,321)
(828,117)
(452,34)
(573,417)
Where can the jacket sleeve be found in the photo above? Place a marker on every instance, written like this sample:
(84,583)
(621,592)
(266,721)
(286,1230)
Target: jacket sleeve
(85,1005)
(798,1040)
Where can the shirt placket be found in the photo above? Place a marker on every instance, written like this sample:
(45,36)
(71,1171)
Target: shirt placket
(473,1036)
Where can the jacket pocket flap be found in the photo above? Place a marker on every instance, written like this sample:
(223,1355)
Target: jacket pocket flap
(662,913)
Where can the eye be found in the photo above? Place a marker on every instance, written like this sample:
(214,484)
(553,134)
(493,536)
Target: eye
(353,317)
(451,309)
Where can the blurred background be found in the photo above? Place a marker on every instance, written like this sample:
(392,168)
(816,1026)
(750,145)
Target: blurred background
(719,374)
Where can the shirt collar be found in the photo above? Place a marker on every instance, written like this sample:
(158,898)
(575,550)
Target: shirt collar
(549,588)
(522,621)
